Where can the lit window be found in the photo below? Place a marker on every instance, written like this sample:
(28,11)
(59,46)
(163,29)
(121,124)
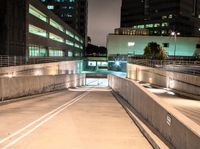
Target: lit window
(77,38)
(69,33)
(164,32)
(56,25)
(55,52)
(140,26)
(76,45)
(165,24)
(149,25)
(135,26)
(156,25)
(36,51)
(170,16)
(69,43)
(50,7)
(35,12)
(70,54)
(56,37)
(77,54)
(37,31)
(164,17)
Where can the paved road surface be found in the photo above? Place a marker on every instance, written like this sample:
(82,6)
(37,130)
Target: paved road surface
(82,118)
(187,106)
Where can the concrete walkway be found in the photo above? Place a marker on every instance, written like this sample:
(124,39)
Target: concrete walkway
(84,118)
(187,106)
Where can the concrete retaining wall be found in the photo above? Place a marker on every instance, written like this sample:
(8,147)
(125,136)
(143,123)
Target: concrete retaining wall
(55,68)
(184,83)
(176,128)
(29,85)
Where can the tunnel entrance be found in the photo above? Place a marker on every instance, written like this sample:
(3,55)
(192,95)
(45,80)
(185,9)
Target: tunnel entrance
(98,80)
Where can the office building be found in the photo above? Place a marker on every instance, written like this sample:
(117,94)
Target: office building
(29,29)
(72,12)
(162,17)
(125,45)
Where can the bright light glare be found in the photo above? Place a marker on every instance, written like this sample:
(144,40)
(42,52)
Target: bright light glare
(10,75)
(150,80)
(171,83)
(117,63)
(37,72)
(172,33)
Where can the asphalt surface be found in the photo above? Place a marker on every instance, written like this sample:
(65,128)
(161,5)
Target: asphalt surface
(81,118)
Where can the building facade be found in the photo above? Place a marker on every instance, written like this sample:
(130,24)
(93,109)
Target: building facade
(162,17)
(31,30)
(72,12)
(134,45)
(131,31)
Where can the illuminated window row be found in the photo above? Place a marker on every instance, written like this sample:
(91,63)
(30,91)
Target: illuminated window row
(56,37)
(43,33)
(56,25)
(78,39)
(69,43)
(37,13)
(169,17)
(55,52)
(36,51)
(39,51)
(37,31)
(78,46)
(151,25)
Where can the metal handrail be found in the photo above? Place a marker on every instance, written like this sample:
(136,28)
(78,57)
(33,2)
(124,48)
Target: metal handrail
(6,61)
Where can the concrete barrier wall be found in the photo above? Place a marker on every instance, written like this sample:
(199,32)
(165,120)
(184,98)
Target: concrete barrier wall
(176,128)
(184,83)
(29,85)
(55,68)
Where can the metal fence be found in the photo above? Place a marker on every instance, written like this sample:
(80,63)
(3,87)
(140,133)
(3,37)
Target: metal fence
(162,63)
(181,66)
(6,61)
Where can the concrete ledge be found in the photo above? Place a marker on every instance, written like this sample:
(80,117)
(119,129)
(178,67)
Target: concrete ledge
(176,128)
(149,132)
(183,83)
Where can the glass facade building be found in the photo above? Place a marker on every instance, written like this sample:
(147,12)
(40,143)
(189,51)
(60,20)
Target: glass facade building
(162,17)
(72,12)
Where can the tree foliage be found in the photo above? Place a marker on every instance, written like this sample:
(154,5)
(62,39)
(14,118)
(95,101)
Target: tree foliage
(155,51)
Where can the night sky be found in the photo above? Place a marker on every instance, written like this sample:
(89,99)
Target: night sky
(103,18)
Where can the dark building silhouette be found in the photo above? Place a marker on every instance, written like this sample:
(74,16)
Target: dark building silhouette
(73,12)
(29,29)
(13,27)
(162,17)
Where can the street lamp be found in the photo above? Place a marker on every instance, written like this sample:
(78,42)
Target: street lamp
(175,34)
